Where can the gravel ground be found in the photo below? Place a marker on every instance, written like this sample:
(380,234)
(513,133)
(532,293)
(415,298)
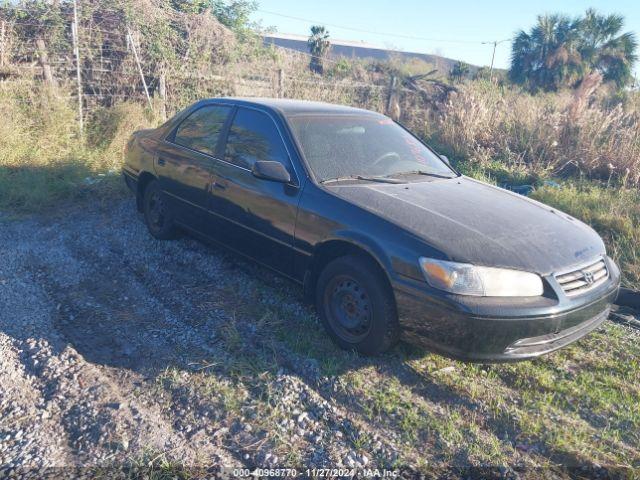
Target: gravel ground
(85,317)
(105,337)
(117,349)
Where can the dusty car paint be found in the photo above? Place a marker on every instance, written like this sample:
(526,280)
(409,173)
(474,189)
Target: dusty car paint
(287,227)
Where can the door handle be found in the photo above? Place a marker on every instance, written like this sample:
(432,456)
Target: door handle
(219,184)
(161,161)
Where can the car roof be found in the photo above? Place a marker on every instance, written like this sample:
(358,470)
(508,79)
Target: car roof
(290,107)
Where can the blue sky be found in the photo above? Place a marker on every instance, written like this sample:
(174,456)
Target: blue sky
(450,28)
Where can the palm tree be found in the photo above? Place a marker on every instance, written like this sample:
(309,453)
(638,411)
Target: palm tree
(318,44)
(459,71)
(559,51)
(547,57)
(605,50)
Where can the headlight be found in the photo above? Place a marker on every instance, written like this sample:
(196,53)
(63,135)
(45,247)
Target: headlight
(466,279)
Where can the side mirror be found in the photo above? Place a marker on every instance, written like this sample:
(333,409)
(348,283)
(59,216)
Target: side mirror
(270,170)
(445,159)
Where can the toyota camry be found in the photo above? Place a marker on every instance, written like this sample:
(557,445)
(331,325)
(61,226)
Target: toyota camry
(384,235)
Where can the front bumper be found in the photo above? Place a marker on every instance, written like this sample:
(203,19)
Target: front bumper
(499,330)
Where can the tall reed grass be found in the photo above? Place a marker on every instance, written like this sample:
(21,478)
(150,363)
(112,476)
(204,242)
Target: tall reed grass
(43,158)
(549,134)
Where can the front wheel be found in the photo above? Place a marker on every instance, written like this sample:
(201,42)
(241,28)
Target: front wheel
(356,306)
(157,214)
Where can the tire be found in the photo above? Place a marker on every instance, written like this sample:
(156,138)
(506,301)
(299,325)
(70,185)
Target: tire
(157,215)
(357,306)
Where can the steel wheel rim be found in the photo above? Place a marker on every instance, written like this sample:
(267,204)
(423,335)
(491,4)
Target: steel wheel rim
(349,308)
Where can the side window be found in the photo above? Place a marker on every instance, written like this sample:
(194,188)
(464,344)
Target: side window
(200,130)
(253,136)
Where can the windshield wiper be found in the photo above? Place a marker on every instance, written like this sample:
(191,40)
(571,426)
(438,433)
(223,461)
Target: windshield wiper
(420,172)
(361,177)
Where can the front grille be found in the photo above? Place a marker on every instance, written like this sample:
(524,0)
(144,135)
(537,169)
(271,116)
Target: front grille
(583,279)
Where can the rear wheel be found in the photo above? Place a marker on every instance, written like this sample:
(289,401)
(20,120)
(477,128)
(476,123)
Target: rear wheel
(357,306)
(157,214)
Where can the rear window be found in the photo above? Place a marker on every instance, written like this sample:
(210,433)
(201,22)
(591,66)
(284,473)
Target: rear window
(200,131)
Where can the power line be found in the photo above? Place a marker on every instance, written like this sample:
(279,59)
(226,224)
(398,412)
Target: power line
(386,34)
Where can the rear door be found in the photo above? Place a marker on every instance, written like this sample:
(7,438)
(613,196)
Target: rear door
(259,215)
(186,160)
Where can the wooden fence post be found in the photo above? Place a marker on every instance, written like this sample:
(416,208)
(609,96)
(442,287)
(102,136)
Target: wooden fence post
(44,63)
(393,107)
(76,52)
(135,54)
(280,83)
(392,87)
(3,41)
(162,90)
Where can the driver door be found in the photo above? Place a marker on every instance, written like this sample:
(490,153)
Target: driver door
(259,215)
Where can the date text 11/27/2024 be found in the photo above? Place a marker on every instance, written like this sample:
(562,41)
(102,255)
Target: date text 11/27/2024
(314,472)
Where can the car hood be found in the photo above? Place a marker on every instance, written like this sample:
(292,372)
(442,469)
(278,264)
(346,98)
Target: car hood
(474,222)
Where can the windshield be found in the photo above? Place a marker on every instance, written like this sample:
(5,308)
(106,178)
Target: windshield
(338,146)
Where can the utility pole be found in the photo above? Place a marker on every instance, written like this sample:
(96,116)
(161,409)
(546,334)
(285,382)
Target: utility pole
(76,52)
(495,43)
(493,57)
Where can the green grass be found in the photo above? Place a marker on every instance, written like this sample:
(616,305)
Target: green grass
(574,407)
(43,158)
(614,212)
(579,405)
(153,465)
